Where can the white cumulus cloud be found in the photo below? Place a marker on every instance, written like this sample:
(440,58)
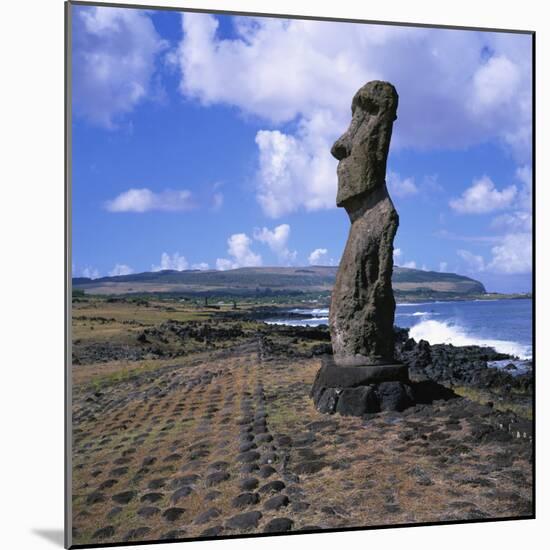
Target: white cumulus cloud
(238,247)
(201,266)
(401,187)
(473,261)
(519,220)
(90,272)
(482,197)
(399,261)
(114,55)
(470,80)
(174,262)
(317,256)
(277,240)
(513,255)
(145,200)
(396,254)
(120,269)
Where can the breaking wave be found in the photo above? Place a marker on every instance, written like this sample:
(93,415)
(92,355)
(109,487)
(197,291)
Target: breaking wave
(437,332)
(320,312)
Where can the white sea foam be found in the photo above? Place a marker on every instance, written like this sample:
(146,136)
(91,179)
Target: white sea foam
(299,322)
(436,332)
(417,314)
(319,312)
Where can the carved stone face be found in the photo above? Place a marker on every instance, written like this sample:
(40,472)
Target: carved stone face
(362,150)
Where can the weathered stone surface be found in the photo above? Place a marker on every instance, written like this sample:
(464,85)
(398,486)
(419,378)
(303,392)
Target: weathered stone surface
(104,532)
(247,520)
(331,375)
(358,401)
(394,396)
(245,499)
(328,400)
(249,484)
(278,525)
(173,514)
(272,487)
(363,307)
(207,516)
(276,502)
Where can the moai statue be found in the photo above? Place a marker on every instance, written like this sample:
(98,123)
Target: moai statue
(362,308)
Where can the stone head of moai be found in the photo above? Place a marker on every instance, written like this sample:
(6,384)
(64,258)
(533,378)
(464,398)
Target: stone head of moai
(363,149)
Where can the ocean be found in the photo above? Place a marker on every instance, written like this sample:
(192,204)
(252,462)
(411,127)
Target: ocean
(505,325)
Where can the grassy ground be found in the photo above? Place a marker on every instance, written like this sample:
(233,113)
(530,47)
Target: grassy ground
(167,444)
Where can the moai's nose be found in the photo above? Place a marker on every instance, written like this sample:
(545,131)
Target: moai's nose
(341,148)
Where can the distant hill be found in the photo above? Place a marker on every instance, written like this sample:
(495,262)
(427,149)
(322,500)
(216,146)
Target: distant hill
(250,280)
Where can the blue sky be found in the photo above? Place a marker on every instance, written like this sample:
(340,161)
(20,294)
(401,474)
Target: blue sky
(203,142)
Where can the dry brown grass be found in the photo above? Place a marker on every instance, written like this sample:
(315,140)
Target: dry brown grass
(151,409)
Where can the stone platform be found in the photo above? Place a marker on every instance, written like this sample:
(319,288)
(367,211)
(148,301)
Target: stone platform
(359,390)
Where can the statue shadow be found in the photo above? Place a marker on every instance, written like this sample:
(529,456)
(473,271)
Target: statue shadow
(427,391)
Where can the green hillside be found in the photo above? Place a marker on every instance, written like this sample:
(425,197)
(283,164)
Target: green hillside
(276,280)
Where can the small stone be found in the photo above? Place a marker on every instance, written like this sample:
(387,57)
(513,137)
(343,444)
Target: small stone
(173,535)
(245,499)
(264,438)
(207,516)
(214,531)
(148,511)
(249,456)
(173,457)
(104,533)
(157,483)
(173,514)
(124,497)
(107,484)
(272,487)
(276,502)
(181,493)
(278,525)
(152,497)
(247,446)
(250,483)
(94,498)
(245,521)
(113,512)
(216,478)
(267,471)
(249,468)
